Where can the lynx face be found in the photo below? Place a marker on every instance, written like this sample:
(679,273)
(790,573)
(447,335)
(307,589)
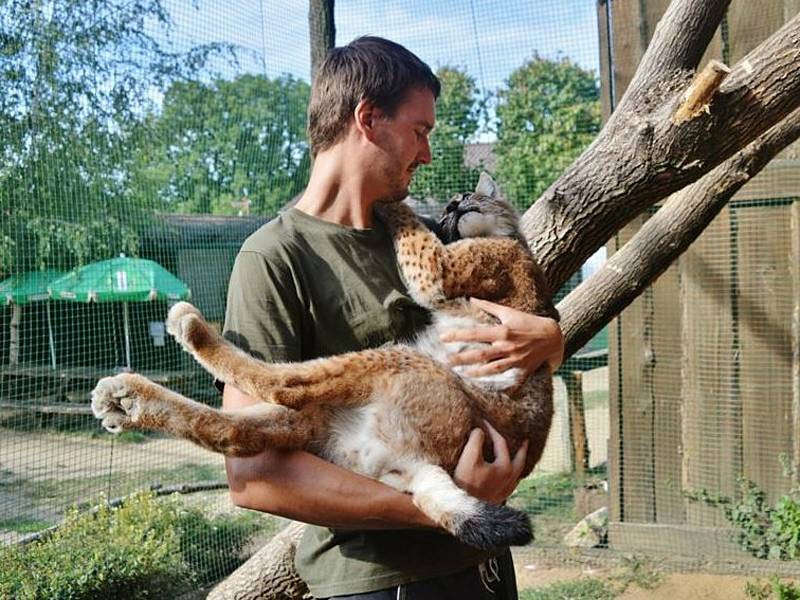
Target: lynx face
(482,213)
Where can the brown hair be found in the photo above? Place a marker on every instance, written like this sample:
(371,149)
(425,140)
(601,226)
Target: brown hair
(368,68)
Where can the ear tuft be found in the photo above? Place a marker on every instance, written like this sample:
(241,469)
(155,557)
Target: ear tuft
(486,185)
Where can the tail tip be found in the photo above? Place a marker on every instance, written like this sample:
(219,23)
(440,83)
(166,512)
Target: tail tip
(493,527)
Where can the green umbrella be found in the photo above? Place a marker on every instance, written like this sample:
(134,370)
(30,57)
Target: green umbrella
(28,287)
(123,280)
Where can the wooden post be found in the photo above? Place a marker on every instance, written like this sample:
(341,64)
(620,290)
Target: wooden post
(573,381)
(321,31)
(795,261)
(14,344)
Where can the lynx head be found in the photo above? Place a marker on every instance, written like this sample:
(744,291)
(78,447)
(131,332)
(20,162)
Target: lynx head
(482,213)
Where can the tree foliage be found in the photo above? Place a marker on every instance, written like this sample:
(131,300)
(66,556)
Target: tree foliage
(77,76)
(457,120)
(225,142)
(548,112)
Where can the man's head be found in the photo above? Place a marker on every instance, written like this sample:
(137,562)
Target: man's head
(368,68)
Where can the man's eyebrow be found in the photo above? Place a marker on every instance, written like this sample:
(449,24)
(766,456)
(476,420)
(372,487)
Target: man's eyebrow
(426,124)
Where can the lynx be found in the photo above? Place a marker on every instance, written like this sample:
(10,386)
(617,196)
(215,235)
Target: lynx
(396,413)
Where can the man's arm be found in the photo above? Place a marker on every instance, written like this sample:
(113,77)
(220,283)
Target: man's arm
(301,486)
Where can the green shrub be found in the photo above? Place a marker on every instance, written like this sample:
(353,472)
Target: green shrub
(764,531)
(212,548)
(129,552)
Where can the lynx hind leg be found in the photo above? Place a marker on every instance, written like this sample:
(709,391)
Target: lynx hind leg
(186,324)
(130,401)
(474,522)
(420,254)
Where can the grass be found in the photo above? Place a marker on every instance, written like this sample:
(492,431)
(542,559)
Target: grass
(549,500)
(580,589)
(24,524)
(63,493)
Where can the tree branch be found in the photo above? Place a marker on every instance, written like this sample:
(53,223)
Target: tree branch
(698,97)
(321,31)
(680,39)
(641,156)
(664,237)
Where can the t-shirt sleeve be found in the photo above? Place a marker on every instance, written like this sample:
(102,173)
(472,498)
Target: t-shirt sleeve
(264,314)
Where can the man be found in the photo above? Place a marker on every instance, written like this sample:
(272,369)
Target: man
(321,279)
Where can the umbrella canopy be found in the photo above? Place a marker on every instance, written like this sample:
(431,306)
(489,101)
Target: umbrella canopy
(123,280)
(119,279)
(28,287)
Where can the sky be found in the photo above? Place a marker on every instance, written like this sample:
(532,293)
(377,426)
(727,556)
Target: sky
(489,38)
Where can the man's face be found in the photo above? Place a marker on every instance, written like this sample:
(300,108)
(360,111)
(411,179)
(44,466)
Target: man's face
(403,141)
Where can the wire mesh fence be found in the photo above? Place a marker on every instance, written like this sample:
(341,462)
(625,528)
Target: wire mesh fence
(171,131)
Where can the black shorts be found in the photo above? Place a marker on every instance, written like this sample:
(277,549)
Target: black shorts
(492,580)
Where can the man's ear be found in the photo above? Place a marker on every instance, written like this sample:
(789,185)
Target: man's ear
(365,116)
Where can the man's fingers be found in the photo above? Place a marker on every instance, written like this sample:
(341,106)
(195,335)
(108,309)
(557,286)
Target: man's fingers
(487,334)
(498,444)
(492,368)
(477,355)
(473,449)
(520,457)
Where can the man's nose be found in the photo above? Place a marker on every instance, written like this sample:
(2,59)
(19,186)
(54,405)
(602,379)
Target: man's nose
(424,155)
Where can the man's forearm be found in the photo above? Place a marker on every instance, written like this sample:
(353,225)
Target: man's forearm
(301,486)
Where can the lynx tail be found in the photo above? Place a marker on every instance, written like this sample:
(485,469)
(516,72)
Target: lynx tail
(480,524)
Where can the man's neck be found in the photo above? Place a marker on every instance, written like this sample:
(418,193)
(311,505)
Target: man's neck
(336,194)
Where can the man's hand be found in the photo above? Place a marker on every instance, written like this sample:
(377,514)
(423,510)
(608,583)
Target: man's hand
(490,481)
(520,340)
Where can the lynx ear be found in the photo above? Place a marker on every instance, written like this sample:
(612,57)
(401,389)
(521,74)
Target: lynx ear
(486,185)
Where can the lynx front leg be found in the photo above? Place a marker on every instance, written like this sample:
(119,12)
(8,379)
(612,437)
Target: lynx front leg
(419,254)
(130,401)
(339,380)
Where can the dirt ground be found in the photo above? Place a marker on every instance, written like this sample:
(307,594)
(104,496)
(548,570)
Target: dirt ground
(652,580)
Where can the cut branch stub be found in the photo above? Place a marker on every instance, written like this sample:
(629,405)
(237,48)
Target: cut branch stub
(701,91)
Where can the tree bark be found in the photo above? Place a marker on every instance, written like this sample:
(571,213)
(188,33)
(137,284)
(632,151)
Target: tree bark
(664,237)
(641,156)
(321,30)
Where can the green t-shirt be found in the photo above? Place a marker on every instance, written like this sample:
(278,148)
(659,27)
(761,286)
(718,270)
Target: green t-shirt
(303,288)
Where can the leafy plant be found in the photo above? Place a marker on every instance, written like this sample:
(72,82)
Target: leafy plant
(131,552)
(765,531)
(774,588)
(147,548)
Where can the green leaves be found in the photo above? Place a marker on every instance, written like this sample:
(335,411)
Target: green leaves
(216,145)
(77,80)
(548,113)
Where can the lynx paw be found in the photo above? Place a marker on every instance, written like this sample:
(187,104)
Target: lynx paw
(185,323)
(115,402)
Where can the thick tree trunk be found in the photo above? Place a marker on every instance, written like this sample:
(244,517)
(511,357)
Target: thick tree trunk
(322,31)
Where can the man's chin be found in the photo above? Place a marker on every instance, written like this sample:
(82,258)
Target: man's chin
(396,195)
